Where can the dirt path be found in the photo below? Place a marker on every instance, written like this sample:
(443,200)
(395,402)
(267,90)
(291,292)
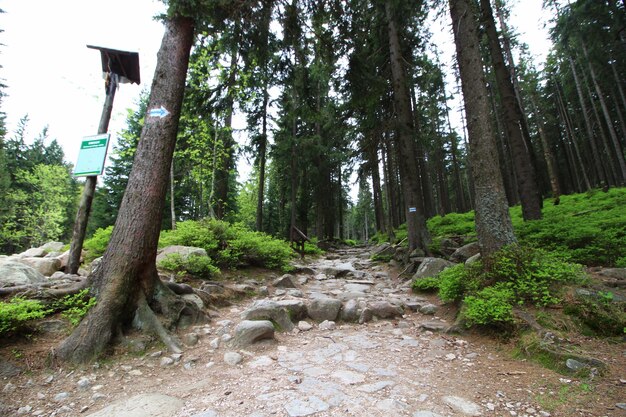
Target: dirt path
(392,367)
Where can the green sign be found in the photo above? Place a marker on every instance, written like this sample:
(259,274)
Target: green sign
(93,152)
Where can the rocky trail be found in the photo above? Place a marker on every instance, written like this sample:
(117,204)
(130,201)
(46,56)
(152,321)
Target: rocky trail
(352,340)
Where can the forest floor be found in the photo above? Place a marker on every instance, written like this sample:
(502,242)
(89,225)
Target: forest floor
(398,367)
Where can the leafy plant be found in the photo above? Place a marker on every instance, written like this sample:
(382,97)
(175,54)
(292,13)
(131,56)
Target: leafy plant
(427,284)
(198,266)
(97,244)
(490,306)
(16,313)
(76,306)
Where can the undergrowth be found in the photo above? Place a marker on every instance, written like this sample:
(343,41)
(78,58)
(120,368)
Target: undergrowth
(516,276)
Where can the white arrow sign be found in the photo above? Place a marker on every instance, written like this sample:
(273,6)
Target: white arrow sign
(160,112)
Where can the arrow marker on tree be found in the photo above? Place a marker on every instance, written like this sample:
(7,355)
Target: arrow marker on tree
(160,112)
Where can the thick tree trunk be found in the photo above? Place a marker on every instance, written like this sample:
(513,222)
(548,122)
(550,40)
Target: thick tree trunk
(418,235)
(126,283)
(172,205)
(493,223)
(525,173)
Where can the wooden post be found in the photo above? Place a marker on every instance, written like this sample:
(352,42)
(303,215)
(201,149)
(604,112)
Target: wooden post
(84,208)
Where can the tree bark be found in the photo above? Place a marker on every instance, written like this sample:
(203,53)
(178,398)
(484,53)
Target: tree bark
(127,284)
(525,173)
(493,223)
(172,206)
(548,155)
(418,235)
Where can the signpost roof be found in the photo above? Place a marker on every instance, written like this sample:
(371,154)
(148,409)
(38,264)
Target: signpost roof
(123,63)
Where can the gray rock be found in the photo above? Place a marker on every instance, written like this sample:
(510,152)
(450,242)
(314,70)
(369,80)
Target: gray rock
(384,249)
(366,315)
(286,281)
(375,387)
(324,309)
(7,369)
(33,253)
(617,273)
(269,310)
(293,292)
(83,383)
(428,309)
(263,291)
(208,413)
(14,273)
(52,247)
(462,405)
(425,414)
(142,405)
(305,407)
(61,396)
(304,326)
(463,253)
(52,326)
(434,326)
(295,308)
(384,309)
(327,325)
(621,406)
(350,311)
(45,266)
(166,361)
(250,331)
(473,259)
(9,387)
(191,339)
(195,299)
(431,267)
(184,251)
(233,358)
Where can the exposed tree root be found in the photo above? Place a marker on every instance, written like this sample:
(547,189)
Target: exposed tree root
(146,320)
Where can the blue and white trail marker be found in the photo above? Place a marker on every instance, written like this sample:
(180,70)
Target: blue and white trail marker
(161,112)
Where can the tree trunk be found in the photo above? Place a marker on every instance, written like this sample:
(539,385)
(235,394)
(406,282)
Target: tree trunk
(172,206)
(548,155)
(126,283)
(493,223)
(583,106)
(607,117)
(262,160)
(418,235)
(526,177)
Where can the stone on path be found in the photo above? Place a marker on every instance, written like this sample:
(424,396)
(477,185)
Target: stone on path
(435,326)
(431,267)
(428,309)
(250,331)
(269,310)
(295,308)
(304,326)
(142,405)
(233,358)
(306,407)
(286,281)
(462,405)
(327,325)
(425,414)
(350,311)
(348,377)
(375,387)
(385,310)
(322,309)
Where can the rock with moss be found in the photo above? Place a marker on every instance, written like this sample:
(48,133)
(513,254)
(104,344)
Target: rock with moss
(431,267)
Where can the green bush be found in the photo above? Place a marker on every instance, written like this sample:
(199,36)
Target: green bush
(427,284)
(230,245)
(515,275)
(74,307)
(97,244)
(15,314)
(490,306)
(195,265)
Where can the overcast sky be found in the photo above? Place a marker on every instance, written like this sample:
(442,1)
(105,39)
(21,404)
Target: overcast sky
(57,81)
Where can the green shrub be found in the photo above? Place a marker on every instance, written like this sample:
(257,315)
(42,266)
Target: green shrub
(458,280)
(97,244)
(74,307)
(599,314)
(195,265)
(15,314)
(427,284)
(490,306)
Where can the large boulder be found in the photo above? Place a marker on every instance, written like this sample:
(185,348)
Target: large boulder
(431,267)
(465,252)
(384,249)
(13,273)
(45,266)
(269,310)
(295,308)
(184,252)
(250,331)
(286,281)
(53,247)
(321,309)
(385,309)
(33,253)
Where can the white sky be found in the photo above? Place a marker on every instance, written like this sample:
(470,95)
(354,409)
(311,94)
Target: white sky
(57,81)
